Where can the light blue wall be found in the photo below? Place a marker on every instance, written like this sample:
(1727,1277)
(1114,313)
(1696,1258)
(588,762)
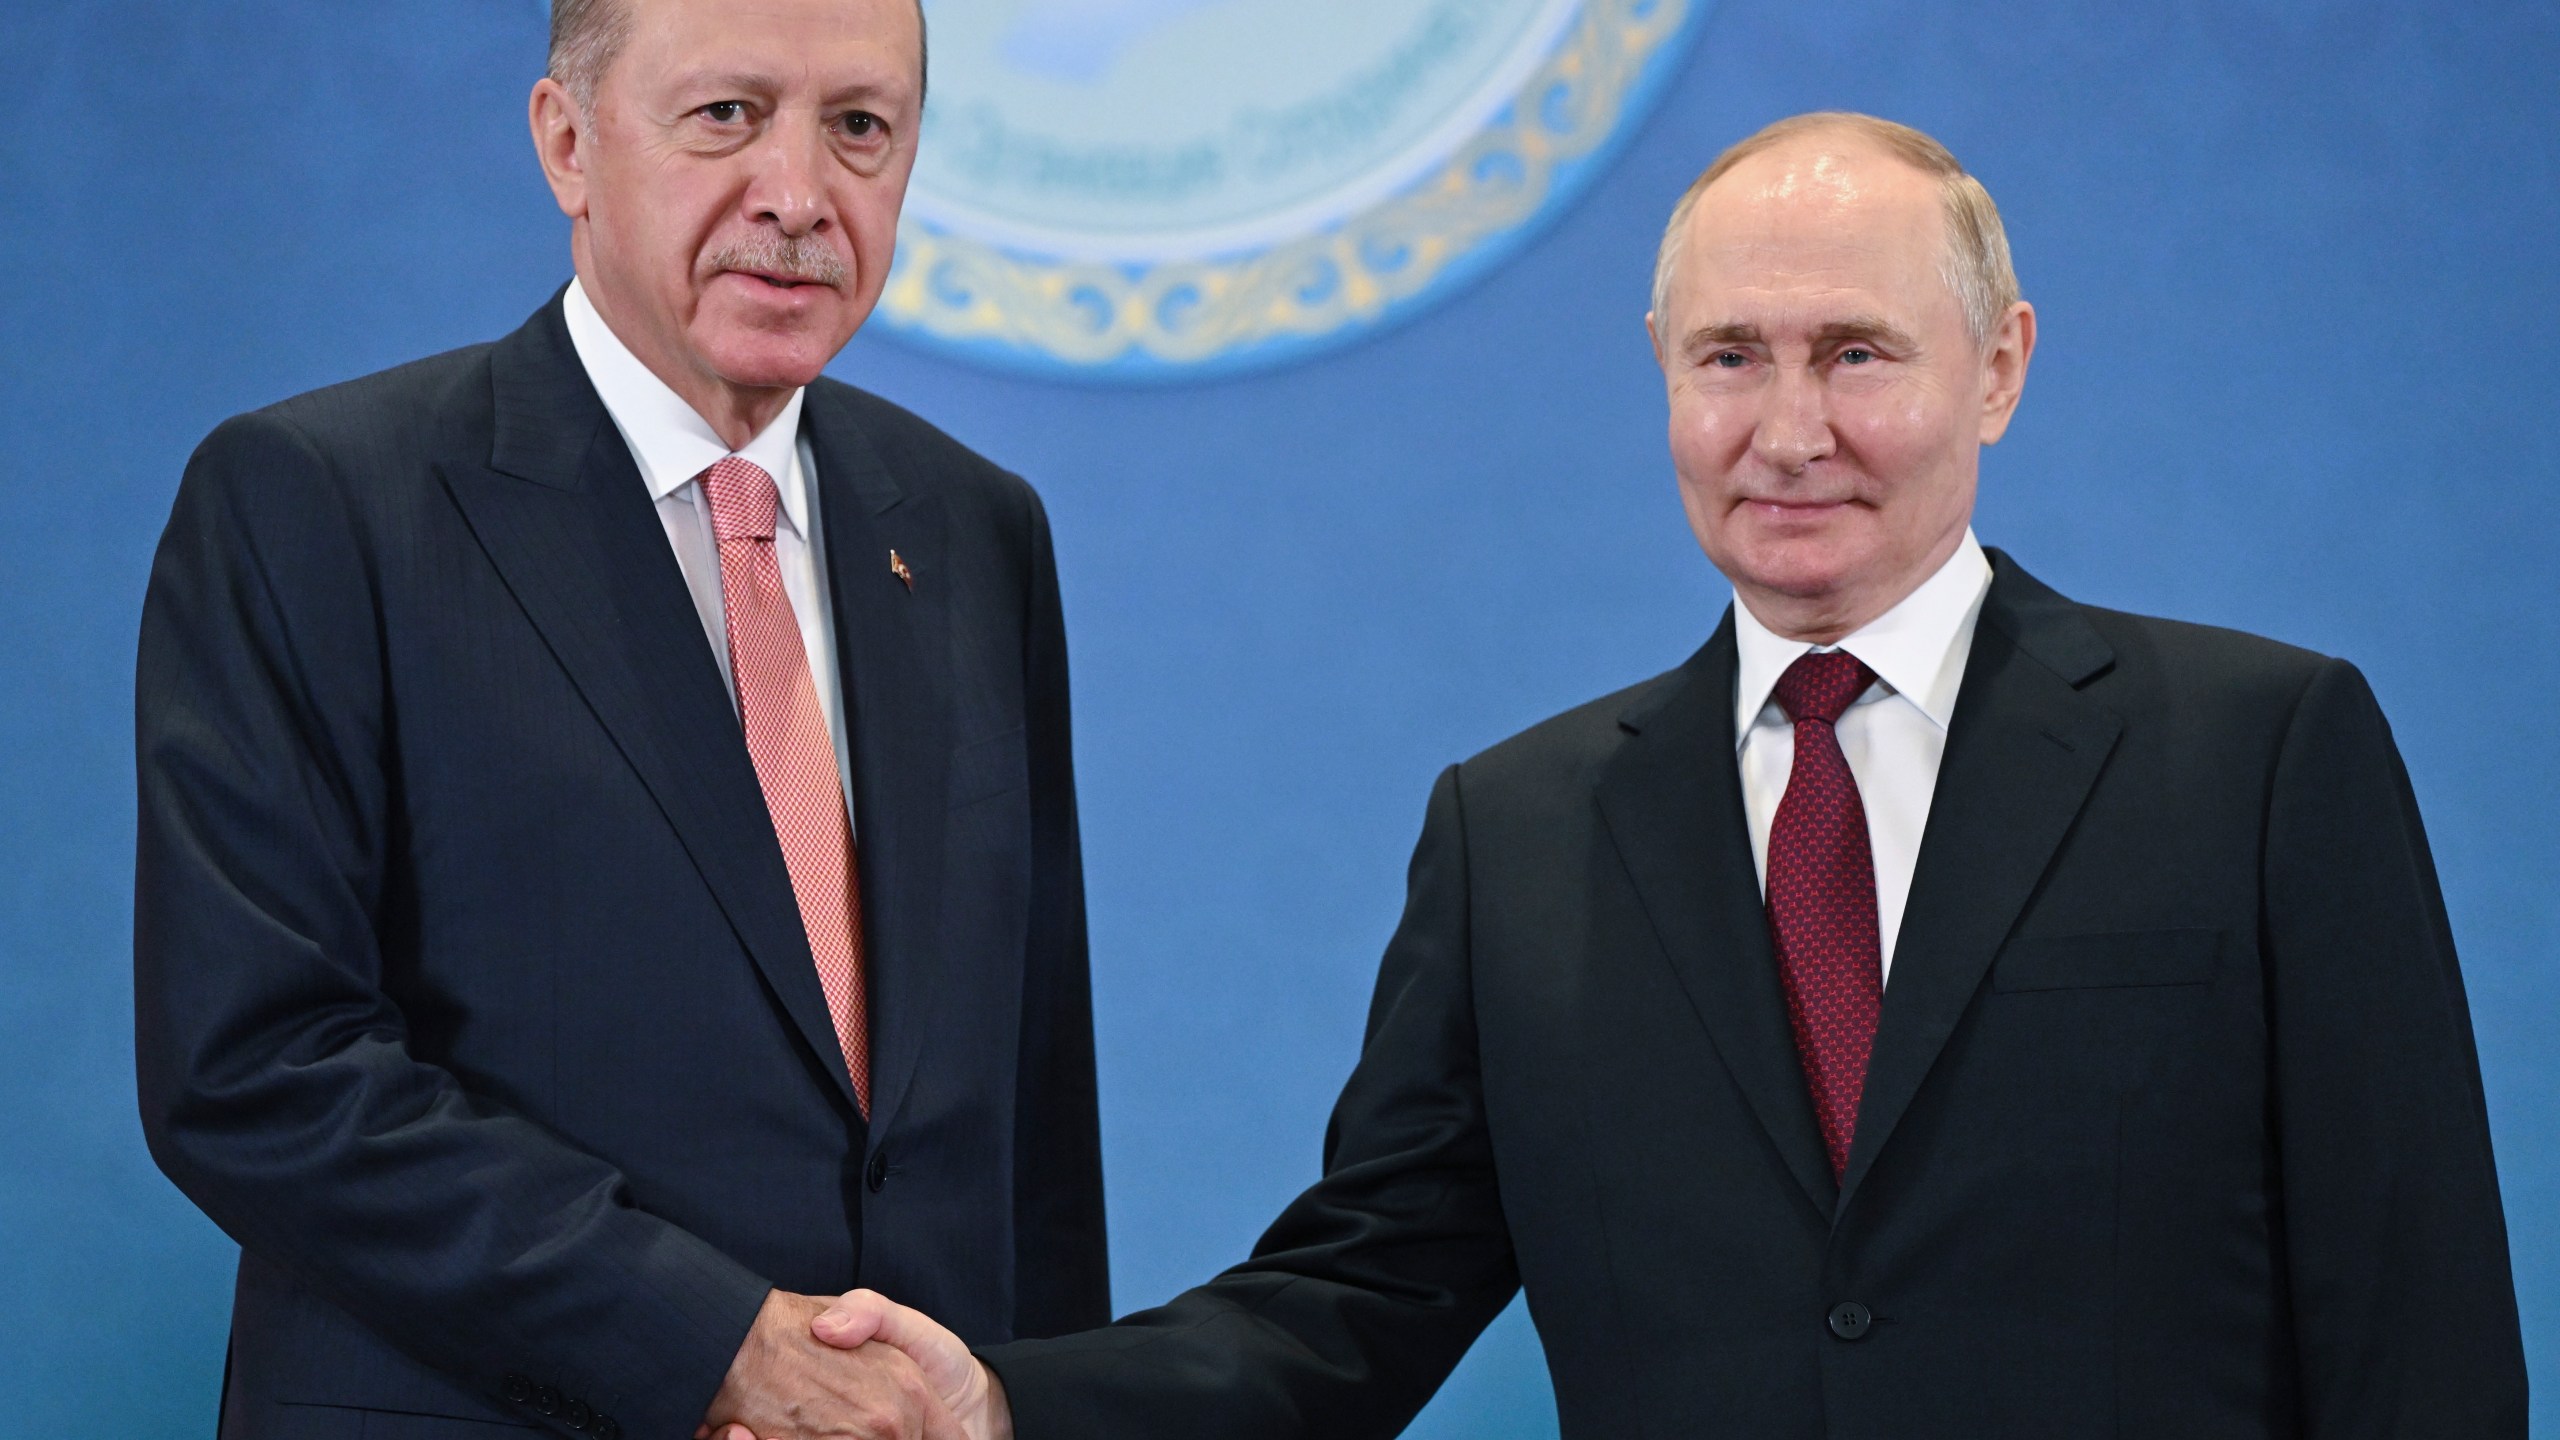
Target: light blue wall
(2300,342)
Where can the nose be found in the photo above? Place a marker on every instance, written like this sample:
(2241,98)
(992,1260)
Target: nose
(788,188)
(1795,422)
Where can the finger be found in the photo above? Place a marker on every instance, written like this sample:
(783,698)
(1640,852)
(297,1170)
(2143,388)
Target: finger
(939,1424)
(853,1320)
(936,1351)
(946,1362)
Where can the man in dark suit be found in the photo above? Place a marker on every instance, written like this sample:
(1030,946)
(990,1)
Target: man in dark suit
(608,867)
(1937,1009)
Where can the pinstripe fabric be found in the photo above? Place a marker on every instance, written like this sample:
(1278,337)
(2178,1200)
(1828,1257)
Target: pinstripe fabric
(787,738)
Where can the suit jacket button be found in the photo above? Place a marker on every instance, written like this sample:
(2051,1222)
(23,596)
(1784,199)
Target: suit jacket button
(1849,1320)
(580,1416)
(547,1400)
(607,1428)
(876,1174)
(516,1388)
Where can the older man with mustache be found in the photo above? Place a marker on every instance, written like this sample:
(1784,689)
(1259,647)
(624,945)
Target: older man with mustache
(608,862)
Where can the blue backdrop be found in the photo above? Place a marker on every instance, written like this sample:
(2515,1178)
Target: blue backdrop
(2295,263)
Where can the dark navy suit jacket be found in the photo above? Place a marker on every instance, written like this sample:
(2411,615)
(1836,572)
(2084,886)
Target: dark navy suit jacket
(471,995)
(2173,1130)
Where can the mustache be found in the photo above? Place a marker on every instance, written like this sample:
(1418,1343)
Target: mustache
(804,258)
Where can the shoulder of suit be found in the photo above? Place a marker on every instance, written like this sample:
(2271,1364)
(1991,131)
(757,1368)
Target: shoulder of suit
(1571,744)
(2187,663)
(917,451)
(370,442)
(418,410)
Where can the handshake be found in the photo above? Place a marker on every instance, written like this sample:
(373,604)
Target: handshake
(858,1368)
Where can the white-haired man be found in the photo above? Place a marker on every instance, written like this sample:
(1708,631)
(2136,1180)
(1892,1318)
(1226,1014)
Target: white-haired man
(1938,1009)
(608,869)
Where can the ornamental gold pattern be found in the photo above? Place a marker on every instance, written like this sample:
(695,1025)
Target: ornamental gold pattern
(1186,312)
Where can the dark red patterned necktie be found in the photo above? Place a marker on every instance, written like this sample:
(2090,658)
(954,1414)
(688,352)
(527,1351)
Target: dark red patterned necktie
(1822,898)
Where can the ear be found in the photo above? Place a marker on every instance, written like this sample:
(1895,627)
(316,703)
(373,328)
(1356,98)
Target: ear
(1653,333)
(561,138)
(2004,370)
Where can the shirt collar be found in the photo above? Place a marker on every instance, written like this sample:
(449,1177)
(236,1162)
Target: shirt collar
(669,441)
(1917,648)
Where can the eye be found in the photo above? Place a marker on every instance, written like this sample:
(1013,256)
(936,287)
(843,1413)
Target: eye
(1728,360)
(862,124)
(724,112)
(1856,355)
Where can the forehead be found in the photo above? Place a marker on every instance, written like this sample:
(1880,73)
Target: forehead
(1808,221)
(829,40)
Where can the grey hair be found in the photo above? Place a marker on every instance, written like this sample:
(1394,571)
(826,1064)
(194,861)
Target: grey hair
(586,35)
(1976,265)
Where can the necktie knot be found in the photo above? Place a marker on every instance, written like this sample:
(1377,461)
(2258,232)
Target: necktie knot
(1820,685)
(742,500)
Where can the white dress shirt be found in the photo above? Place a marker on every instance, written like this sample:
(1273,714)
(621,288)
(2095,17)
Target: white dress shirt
(1893,735)
(673,446)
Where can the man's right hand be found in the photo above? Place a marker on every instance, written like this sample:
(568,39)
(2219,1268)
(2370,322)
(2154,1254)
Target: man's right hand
(787,1385)
(965,1386)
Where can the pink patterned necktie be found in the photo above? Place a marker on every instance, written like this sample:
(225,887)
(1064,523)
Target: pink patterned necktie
(1822,898)
(794,757)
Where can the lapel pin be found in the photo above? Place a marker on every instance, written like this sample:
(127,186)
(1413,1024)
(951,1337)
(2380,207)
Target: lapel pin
(899,568)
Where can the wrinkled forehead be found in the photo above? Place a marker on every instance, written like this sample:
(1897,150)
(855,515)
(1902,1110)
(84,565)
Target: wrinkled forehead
(827,41)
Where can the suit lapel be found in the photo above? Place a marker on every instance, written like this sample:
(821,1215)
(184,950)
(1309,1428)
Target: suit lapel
(1672,800)
(892,646)
(2023,751)
(563,515)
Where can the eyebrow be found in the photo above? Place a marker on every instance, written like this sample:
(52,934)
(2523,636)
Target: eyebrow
(1854,327)
(867,92)
(736,82)
(750,82)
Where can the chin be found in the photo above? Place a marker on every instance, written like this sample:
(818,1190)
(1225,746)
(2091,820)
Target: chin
(1804,569)
(764,350)
(762,360)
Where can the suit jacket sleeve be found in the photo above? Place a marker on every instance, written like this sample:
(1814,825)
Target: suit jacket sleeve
(2393,1237)
(1064,1272)
(276,1082)
(1370,1286)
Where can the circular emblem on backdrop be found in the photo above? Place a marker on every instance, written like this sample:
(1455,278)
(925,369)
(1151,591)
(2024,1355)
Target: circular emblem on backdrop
(1165,188)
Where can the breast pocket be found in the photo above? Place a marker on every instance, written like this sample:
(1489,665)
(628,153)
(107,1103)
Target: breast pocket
(2122,959)
(2094,1017)
(985,768)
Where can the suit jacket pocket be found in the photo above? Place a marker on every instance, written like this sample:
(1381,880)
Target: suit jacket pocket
(987,767)
(2121,958)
